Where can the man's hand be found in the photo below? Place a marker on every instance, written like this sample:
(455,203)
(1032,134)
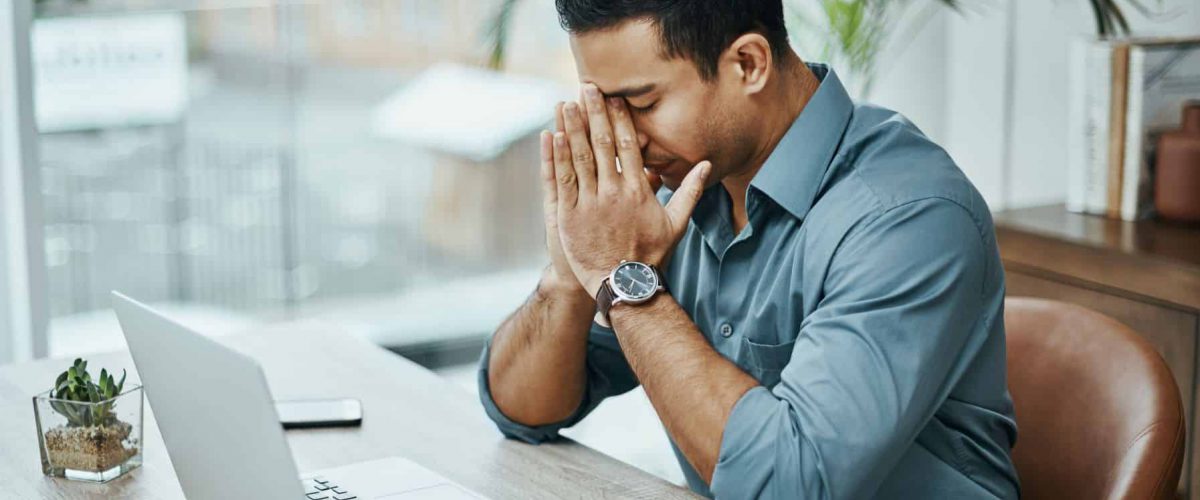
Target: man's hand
(559,275)
(606,216)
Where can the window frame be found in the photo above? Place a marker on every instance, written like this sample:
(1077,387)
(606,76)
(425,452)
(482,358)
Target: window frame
(24,313)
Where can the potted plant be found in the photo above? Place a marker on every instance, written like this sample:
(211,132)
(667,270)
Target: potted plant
(89,430)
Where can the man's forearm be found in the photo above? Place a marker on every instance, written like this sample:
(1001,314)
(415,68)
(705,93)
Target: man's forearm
(692,387)
(537,366)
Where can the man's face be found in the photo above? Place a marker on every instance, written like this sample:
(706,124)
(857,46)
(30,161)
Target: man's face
(681,119)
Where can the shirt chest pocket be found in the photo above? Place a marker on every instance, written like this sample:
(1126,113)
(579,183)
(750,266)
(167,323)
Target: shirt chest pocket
(764,362)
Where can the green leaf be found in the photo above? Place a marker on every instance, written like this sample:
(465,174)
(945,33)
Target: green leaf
(121,384)
(69,411)
(497,33)
(58,389)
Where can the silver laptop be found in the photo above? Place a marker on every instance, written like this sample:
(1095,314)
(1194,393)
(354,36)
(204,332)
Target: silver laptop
(218,420)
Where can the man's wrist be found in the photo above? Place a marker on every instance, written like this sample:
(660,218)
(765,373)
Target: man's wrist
(624,314)
(592,287)
(553,284)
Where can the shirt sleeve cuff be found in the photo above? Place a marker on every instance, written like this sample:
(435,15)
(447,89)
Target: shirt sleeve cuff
(516,430)
(747,461)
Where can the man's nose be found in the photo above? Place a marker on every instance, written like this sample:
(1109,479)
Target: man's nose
(643,140)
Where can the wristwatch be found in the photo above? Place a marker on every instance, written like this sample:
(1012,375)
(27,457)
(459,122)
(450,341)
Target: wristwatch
(630,283)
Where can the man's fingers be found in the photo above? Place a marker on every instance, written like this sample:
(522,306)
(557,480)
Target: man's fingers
(583,106)
(602,137)
(559,126)
(628,147)
(679,209)
(566,182)
(581,149)
(549,183)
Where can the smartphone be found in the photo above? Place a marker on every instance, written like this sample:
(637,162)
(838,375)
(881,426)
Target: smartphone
(307,413)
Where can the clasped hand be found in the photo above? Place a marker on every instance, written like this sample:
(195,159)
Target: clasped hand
(596,214)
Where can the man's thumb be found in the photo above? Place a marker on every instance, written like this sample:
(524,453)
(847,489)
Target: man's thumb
(685,198)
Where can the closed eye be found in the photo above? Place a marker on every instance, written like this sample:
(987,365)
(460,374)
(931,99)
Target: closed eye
(644,109)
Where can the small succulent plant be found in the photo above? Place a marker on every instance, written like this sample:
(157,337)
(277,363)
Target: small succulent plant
(76,384)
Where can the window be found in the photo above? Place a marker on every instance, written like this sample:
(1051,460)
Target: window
(236,162)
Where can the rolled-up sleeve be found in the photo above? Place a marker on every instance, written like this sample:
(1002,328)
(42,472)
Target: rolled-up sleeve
(608,374)
(871,364)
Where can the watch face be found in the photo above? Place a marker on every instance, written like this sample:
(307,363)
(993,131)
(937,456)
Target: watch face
(635,280)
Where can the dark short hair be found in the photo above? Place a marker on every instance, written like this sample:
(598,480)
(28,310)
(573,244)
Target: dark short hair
(699,30)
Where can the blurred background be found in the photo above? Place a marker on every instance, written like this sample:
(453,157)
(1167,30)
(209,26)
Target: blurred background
(371,164)
(250,161)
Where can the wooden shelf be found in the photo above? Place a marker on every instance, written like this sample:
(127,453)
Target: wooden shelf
(1158,261)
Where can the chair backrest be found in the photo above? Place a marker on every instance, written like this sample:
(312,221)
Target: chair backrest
(1098,412)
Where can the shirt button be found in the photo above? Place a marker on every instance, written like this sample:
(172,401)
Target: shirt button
(726,330)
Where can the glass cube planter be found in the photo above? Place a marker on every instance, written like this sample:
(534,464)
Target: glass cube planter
(95,442)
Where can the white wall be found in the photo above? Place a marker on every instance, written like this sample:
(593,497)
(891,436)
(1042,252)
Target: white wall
(967,86)
(911,74)
(976,114)
(1042,86)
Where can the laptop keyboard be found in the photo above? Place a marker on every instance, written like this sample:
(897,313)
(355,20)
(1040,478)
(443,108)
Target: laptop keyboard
(319,488)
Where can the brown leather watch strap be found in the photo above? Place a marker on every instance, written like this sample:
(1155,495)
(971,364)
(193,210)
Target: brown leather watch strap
(604,299)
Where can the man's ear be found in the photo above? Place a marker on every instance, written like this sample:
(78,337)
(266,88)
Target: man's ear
(752,62)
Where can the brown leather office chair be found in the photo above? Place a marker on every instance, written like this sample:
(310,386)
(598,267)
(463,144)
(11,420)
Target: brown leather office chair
(1098,412)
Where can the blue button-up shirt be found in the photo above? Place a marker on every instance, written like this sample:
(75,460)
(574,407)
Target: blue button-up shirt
(866,296)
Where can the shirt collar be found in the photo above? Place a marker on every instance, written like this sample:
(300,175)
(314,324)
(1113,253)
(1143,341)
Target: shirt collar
(793,172)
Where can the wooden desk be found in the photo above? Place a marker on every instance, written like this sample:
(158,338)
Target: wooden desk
(1145,274)
(407,411)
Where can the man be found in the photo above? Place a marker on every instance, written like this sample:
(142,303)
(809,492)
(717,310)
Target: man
(831,324)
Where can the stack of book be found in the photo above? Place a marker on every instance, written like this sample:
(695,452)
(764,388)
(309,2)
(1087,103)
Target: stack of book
(1124,93)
